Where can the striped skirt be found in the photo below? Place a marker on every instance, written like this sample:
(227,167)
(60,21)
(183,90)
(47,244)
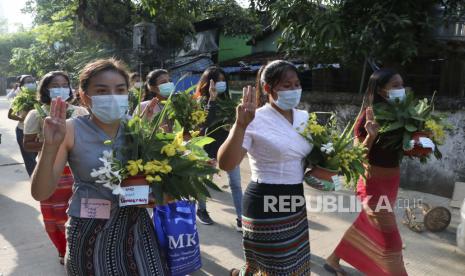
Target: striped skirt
(373,244)
(54,211)
(275,243)
(125,244)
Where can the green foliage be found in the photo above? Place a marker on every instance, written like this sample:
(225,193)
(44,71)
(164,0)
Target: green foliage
(8,42)
(225,112)
(24,101)
(351,30)
(186,110)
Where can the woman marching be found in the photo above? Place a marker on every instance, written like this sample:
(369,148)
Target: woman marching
(102,238)
(52,85)
(29,83)
(275,239)
(213,85)
(373,244)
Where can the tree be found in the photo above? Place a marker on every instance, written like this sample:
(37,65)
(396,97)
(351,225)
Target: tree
(352,30)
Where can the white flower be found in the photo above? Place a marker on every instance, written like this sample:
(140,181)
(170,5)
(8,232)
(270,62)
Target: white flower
(327,148)
(117,190)
(94,173)
(108,154)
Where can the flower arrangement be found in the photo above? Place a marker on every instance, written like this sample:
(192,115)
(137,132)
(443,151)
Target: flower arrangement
(405,124)
(186,110)
(169,165)
(225,112)
(24,101)
(333,153)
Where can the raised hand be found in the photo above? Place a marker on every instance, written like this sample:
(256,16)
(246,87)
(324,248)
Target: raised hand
(55,123)
(245,112)
(371,126)
(149,109)
(212,91)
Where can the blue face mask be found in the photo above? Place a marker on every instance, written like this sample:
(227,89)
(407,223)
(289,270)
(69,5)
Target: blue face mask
(396,94)
(288,99)
(166,89)
(220,87)
(109,108)
(62,92)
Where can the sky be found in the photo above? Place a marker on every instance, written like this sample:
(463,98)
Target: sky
(11,10)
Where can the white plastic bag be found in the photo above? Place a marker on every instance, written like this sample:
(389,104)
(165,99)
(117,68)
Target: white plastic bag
(461,229)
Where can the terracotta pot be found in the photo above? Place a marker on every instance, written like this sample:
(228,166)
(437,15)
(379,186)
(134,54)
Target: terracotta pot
(139,180)
(419,151)
(323,174)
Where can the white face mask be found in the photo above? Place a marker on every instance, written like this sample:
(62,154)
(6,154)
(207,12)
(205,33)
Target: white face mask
(138,84)
(31,86)
(394,94)
(62,92)
(220,87)
(288,99)
(109,108)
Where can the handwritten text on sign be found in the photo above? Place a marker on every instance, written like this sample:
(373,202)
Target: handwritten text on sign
(95,208)
(134,195)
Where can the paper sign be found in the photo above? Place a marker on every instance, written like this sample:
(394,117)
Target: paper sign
(337,182)
(95,208)
(134,195)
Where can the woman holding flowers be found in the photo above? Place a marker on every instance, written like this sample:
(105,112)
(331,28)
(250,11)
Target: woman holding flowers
(373,244)
(213,85)
(102,238)
(52,85)
(27,84)
(275,240)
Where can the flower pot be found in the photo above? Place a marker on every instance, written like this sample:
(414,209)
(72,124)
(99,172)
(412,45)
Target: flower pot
(419,151)
(321,178)
(139,180)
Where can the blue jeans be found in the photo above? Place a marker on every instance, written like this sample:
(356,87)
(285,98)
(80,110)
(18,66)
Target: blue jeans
(28,157)
(236,191)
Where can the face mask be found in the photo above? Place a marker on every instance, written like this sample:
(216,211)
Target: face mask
(109,108)
(138,84)
(220,87)
(63,92)
(396,94)
(166,89)
(288,99)
(31,86)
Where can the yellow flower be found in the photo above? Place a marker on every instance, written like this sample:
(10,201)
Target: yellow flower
(151,179)
(152,167)
(134,167)
(192,157)
(178,139)
(437,130)
(194,133)
(316,129)
(165,167)
(169,150)
(198,117)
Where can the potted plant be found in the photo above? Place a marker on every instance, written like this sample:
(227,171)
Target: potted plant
(405,125)
(160,166)
(333,154)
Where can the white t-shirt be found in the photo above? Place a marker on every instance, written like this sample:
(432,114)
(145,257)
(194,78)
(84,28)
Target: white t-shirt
(143,105)
(275,148)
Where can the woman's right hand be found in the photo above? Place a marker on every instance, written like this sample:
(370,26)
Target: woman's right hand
(245,112)
(371,126)
(55,123)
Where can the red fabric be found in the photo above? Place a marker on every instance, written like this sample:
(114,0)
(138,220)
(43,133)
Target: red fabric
(373,244)
(54,211)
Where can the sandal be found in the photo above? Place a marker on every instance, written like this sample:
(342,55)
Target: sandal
(234,272)
(61,259)
(335,271)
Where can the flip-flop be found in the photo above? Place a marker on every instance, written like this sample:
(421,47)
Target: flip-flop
(335,271)
(233,272)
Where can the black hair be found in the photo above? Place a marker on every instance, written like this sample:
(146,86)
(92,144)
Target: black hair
(22,79)
(203,86)
(377,81)
(44,92)
(271,74)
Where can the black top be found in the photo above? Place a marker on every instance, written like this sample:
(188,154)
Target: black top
(220,134)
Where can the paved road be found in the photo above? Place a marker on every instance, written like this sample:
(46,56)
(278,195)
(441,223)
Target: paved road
(26,250)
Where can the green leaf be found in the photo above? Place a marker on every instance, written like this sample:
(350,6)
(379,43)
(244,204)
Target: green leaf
(411,127)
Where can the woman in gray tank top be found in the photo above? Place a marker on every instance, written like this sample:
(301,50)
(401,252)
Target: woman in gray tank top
(103,238)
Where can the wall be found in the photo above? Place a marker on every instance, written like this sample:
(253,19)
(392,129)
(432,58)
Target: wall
(233,47)
(437,176)
(267,44)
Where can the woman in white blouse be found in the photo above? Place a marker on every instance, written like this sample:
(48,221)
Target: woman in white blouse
(274,220)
